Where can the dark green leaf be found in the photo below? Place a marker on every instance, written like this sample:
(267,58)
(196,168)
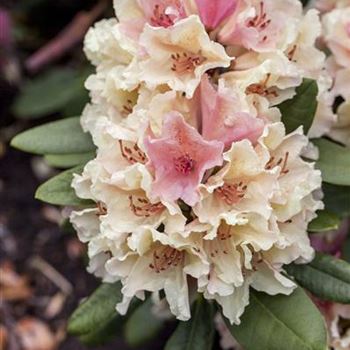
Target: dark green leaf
(334,162)
(76,106)
(61,137)
(49,93)
(301,109)
(103,332)
(64,161)
(325,221)
(142,325)
(337,199)
(98,309)
(281,322)
(198,332)
(326,277)
(346,249)
(59,191)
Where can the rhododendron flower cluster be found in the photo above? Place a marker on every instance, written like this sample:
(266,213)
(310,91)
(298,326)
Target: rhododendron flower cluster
(197,186)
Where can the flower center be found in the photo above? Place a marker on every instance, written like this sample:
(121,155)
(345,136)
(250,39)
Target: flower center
(281,162)
(231,193)
(142,207)
(102,209)
(160,18)
(127,108)
(260,21)
(132,153)
(261,88)
(184,164)
(185,62)
(166,258)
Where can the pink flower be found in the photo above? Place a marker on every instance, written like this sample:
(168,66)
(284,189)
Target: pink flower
(212,12)
(258,25)
(223,119)
(180,159)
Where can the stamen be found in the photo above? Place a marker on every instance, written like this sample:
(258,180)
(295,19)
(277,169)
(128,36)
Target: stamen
(132,154)
(224,233)
(231,193)
(292,52)
(281,161)
(102,209)
(260,21)
(184,164)
(160,18)
(142,207)
(127,108)
(261,88)
(186,62)
(166,258)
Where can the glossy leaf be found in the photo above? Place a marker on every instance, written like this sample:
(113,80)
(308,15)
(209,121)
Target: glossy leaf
(98,309)
(65,161)
(325,221)
(301,109)
(334,162)
(142,326)
(281,322)
(198,332)
(337,199)
(59,191)
(49,93)
(326,277)
(61,137)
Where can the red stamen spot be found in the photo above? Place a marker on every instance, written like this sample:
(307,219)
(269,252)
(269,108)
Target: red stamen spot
(184,164)
(142,207)
(132,153)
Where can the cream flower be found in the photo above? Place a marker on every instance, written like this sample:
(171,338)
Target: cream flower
(260,25)
(103,43)
(179,55)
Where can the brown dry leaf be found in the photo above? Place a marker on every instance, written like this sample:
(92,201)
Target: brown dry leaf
(13,286)
(3,337)
(55,305)
(35,335)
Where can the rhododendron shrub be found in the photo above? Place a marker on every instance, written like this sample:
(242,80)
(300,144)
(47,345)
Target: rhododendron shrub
(204,188)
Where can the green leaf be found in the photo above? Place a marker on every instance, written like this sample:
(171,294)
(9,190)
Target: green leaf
(49,93)
(59,191)
(337,199)
(325,221)
(98,309)
(142,326)
(103,332)
(60,137)
(76,106)
(198,332)
(326,277)
(346,249)
(301,109)
(64,161)
(334,162)
(281,322)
